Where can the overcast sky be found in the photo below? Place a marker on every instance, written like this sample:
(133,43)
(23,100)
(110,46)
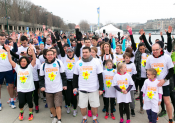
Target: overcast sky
(116,11)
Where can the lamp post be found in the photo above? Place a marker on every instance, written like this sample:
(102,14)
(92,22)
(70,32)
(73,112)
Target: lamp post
(47,19)
(33,18)
(7,17)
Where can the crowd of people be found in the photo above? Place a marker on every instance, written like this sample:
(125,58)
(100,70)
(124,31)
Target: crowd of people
(59,67)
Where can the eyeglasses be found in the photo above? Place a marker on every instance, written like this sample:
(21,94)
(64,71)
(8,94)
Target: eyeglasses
(156,50)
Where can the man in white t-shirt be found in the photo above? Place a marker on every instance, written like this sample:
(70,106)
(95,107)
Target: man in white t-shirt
(164,67)
(22,51)
(89,79)
(53,80)
(6,71)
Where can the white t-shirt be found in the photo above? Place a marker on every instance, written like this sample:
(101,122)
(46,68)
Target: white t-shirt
(143,64)
(107,57)
(118,58)
(100,61)
(131,69)
(161,64)
(4,61)
(25,81)
(69,65)
(53,81)
(35,72)
(47,46)
(41,58)
(88,75)
(123,81)
(151,91)
(168,53)
(23,49)
(110,91)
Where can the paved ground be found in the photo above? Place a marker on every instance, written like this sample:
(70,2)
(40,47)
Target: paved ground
(8,115)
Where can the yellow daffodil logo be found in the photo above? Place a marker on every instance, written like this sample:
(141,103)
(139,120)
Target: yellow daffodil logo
(150,94)
(123,87)
(52,76)
(158,71)
(126,79)
(105,66)
(70,65)
(143,63)
(108,83)
(23,79)
(73,58)
(113,71)
(86,75)
(3,56)
(147,55)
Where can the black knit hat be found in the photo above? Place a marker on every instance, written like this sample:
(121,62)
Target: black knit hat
(160,43)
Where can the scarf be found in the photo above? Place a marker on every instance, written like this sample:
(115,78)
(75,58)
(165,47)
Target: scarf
(88,59)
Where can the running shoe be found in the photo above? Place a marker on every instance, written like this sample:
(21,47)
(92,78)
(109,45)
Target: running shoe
(112,116)
(95,121)
(74,112)
(46,106)
(170,121)
(30,117)
(65,106)
(84,121)
(115,103)
(59,122)
(54,120)
(14,100)
(157,118)
(138,98)
(162,113)
(132,113)
(121,120)
(8,101)
(36,109)
(104,109)
(51,115)
(89,113)
(0,106)
(12,105)
(128,121)
(106,116)
(44,100)
(21,116)
(141,110)
(114,110)
(68,110)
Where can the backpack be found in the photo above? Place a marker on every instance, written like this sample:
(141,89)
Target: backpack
(57,63)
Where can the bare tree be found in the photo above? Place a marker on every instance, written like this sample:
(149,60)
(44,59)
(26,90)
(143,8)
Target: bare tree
(84,26)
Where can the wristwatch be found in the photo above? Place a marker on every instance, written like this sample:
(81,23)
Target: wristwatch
(165,80)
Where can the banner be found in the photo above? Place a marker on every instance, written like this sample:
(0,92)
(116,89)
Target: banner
(98,11)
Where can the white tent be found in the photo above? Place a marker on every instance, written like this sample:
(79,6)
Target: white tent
(110,29)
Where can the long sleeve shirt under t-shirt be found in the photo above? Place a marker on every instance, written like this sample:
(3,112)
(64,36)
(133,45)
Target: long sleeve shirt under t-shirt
(88,75)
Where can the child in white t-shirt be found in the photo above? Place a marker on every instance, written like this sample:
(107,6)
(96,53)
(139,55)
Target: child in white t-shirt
(109,90)
(123,82)
(152,95)
(131,69)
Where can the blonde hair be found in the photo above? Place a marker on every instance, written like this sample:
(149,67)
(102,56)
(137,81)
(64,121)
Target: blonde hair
(153,72)
(120,65)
